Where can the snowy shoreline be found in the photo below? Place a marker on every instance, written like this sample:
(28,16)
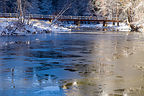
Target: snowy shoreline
(99,27)
(11,26)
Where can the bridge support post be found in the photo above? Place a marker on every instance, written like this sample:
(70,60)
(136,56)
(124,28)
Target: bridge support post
(118,23)
(77,23)
(82,22)
(50,20)
(113,23)
(68,22)
(104,24)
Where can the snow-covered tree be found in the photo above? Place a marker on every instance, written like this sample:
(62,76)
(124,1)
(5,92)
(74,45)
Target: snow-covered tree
(22,9)
(131,11)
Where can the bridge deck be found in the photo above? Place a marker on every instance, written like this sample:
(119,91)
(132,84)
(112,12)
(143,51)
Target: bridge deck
(61,18)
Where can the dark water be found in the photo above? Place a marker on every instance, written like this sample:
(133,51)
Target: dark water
(72,65)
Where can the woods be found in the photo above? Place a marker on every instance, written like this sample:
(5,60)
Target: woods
(46,7)
(71,47)
(130,11)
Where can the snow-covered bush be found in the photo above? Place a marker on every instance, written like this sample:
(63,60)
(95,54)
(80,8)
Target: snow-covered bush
(18,28)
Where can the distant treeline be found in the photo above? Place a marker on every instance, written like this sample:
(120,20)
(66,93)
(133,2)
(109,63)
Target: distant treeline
(78,7)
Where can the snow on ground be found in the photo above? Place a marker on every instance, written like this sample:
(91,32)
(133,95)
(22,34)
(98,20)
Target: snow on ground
(84,25)
(46,26)
(109,27)
(11,26)
(122,27)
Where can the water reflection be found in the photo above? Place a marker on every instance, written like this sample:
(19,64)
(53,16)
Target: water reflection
(72,65)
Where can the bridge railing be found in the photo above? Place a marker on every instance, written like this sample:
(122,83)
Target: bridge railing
(8,14)
(15,15)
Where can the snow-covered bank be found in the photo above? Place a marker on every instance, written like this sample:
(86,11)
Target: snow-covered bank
(11,26)
(137,26)
(123,27)
(45,25)
(109,27)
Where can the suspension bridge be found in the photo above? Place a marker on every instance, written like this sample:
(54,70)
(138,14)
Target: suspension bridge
(77,19)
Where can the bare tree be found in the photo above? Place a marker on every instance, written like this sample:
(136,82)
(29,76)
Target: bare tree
(127,10)
(20,11)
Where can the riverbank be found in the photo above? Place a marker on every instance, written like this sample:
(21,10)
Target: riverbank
(11,26)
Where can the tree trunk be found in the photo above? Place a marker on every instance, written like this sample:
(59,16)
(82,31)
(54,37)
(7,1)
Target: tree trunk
(20,11)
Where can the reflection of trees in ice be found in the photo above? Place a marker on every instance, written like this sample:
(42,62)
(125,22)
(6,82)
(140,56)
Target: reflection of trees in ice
(111,70)
(103,64)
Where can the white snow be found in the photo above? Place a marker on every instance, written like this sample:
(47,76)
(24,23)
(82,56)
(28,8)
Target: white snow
(92,25)
(45,25)
(110,26)
(123,27)
(11,26)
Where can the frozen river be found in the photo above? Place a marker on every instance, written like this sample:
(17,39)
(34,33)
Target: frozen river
(72,64)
